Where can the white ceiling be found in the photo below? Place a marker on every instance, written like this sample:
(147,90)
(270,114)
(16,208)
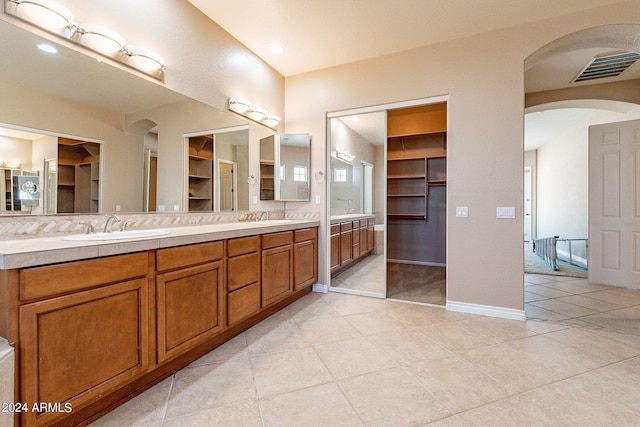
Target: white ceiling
(317,34)
(320,34)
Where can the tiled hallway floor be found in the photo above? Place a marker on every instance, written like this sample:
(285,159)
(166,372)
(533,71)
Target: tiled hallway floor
(343,360)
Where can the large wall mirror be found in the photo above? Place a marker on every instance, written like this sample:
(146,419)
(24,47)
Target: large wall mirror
(284,167)
(59,110)
(357,203)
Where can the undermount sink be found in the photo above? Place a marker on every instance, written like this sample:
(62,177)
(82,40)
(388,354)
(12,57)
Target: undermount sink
(116,235)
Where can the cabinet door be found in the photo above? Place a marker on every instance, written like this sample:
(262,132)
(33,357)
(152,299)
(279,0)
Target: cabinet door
(277,274)
(190,307)
(346,247)
(335,252)
(78,347)
(371,236)
(364,246)
(305,261)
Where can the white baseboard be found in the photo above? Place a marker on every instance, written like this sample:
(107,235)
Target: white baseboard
(320,287)
(356,292)
(486,310)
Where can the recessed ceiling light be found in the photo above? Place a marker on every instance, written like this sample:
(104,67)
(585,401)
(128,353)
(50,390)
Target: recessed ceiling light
(277,49)
(355,119)
(47,48)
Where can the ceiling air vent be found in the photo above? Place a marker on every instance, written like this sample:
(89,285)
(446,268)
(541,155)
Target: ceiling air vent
(608,65)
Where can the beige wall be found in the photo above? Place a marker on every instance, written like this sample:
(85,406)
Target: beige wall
(483,79)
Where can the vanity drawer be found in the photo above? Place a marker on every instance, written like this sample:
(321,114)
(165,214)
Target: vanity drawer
(243,270)
(243,303)
(243,245)
(345,226)
(276,239)
(304,234)
(182,256)
(40,282)
(335,229)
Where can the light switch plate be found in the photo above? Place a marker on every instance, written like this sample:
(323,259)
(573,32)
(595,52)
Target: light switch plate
(317,199)
(505,212)
(462,212)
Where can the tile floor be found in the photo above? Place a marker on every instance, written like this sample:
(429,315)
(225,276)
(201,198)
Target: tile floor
(367,275)
(342,360)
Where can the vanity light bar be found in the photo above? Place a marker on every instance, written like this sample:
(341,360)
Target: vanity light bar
(51,15)
(345,157)
(247,109)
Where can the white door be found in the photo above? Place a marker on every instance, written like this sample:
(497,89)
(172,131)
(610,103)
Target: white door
(527,204)
(227,186)
(614,204)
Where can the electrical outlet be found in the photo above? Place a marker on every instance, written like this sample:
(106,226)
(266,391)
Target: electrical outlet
(317,199)
(118,207)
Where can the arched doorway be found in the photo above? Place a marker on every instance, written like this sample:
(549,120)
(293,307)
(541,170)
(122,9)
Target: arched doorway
(555,99)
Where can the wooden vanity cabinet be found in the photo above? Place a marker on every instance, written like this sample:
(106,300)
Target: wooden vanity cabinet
(371,235)
(335,247)
(92,334)
(277,266)
(355,239)
(350,242)
(364,248)
(84,331)
(305,258)
(346,243)
(189,296)
(243,278)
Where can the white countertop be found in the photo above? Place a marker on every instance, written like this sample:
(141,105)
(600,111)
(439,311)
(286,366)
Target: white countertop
(22,253)
(349,217)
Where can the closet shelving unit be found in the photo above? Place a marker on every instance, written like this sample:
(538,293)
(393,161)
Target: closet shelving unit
(267,180)
(200,150)
(78,176)
(411,171)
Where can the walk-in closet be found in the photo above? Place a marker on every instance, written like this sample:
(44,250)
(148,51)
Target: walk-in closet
(416,203)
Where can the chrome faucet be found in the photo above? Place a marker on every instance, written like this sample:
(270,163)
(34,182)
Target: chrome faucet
(90,229)
(263,215)
(107,225)
(125,226)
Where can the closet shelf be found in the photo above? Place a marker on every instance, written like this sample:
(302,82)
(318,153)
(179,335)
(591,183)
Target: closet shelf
(407,195)
(406,176)
(406,216)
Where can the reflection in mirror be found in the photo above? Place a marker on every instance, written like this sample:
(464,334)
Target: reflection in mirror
(232,161)
(67,169)
(80,98)
(50,200)
(284,167)
(267,166)
(150,183)
(356,197)
(293,172)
